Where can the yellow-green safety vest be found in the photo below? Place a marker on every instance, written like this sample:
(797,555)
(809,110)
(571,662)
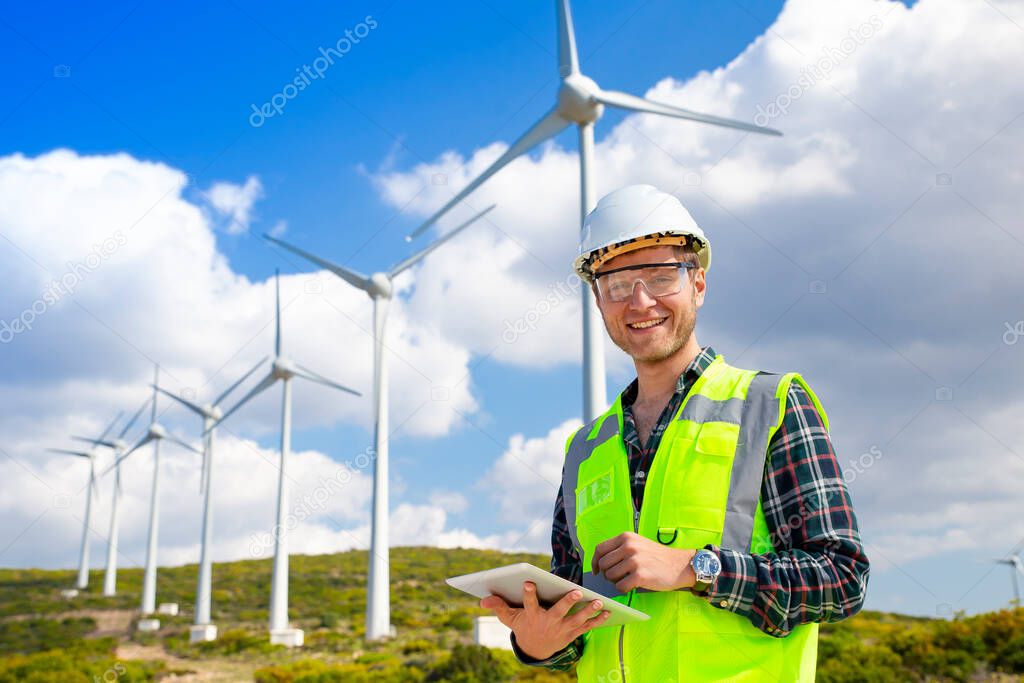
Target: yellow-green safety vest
(703,487)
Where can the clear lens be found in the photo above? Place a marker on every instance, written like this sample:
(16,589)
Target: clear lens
(657,280)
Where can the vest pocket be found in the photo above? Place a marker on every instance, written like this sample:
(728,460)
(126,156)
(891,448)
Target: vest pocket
(717,439)
(689,526)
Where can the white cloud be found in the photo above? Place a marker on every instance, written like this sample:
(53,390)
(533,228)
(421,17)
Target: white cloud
(236,202)
(449,501)
(279,229)
(524,480)
(136,278)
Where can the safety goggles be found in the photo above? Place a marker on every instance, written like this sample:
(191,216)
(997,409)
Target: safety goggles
(659,279)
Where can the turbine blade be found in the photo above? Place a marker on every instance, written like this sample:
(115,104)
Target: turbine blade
(156,382)
(266,382)
(185,402)
(80,454)
(548,127)
(277,312)
(110,426)
(633,103)
(306,373)
(134,418)
(350,276)
(183,444)
(95,442)
(568,62)
(244,377)
(417,257)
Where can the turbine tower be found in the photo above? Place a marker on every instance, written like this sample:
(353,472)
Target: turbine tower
(203,629)
(83,554)
(581,101)
(283,369)
(380,289)
(155,433)
(119,447)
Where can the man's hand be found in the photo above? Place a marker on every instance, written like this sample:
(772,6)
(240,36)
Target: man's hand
(542,632)
(633,561)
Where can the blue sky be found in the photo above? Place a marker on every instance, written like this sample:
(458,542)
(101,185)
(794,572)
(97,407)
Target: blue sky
(175,85)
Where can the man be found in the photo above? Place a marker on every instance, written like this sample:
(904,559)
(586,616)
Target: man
(707,496)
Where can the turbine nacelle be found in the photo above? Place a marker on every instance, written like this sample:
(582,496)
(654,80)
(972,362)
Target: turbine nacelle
(380,286)
(213,412)
(283,368)
(578,99)
(157,431)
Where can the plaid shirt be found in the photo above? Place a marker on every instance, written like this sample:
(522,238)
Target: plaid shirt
(819,571)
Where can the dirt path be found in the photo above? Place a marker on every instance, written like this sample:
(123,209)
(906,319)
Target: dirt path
(206,671)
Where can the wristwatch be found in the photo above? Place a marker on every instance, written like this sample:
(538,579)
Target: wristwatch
(706,566)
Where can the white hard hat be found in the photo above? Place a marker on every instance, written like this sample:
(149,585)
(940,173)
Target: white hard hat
(632,217)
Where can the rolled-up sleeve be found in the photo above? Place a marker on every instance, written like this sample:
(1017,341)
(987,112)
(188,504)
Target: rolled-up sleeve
(818,570)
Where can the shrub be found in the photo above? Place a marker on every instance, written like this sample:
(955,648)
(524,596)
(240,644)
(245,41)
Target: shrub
(471,664)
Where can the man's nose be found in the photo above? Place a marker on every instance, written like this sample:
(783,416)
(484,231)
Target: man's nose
(641,296)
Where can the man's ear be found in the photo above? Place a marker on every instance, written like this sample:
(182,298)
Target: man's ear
(700,286)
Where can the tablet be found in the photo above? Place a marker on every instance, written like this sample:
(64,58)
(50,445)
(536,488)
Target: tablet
(507,583)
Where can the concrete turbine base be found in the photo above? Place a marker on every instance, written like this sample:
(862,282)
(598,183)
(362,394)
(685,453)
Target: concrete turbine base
(148,625)
(289,637)
(202,633)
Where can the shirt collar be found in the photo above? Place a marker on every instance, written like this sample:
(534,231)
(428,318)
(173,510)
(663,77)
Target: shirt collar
(686,378)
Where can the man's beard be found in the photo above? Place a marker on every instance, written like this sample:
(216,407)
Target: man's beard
(682,330)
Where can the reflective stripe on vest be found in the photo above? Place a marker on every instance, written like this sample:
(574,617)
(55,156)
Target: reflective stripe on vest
(720,435)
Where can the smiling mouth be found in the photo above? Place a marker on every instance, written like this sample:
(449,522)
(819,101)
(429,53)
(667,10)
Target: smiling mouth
(647,324)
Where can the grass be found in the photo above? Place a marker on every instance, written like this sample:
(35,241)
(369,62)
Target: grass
(44,637)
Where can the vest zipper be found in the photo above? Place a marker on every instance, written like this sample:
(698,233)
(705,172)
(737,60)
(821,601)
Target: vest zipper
(629,598)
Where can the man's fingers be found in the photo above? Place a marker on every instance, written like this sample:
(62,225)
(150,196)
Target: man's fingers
(589,610)
(593,622)
(603,548)
(610,559)
(530,596)
(500,608)
(620,569)
(565,603)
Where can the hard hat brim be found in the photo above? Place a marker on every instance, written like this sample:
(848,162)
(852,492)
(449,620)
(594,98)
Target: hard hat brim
(586,264)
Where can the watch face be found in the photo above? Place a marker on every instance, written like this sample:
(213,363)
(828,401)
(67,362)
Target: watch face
(706,563)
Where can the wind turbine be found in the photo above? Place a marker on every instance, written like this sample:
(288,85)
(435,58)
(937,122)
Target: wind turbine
(155,433)
(83,554)
(282,369)
(581,101)
(119,447)
(203,629)
(1016,567)
(380,288)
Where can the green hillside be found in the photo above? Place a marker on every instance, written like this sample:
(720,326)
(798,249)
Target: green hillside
(44,637)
